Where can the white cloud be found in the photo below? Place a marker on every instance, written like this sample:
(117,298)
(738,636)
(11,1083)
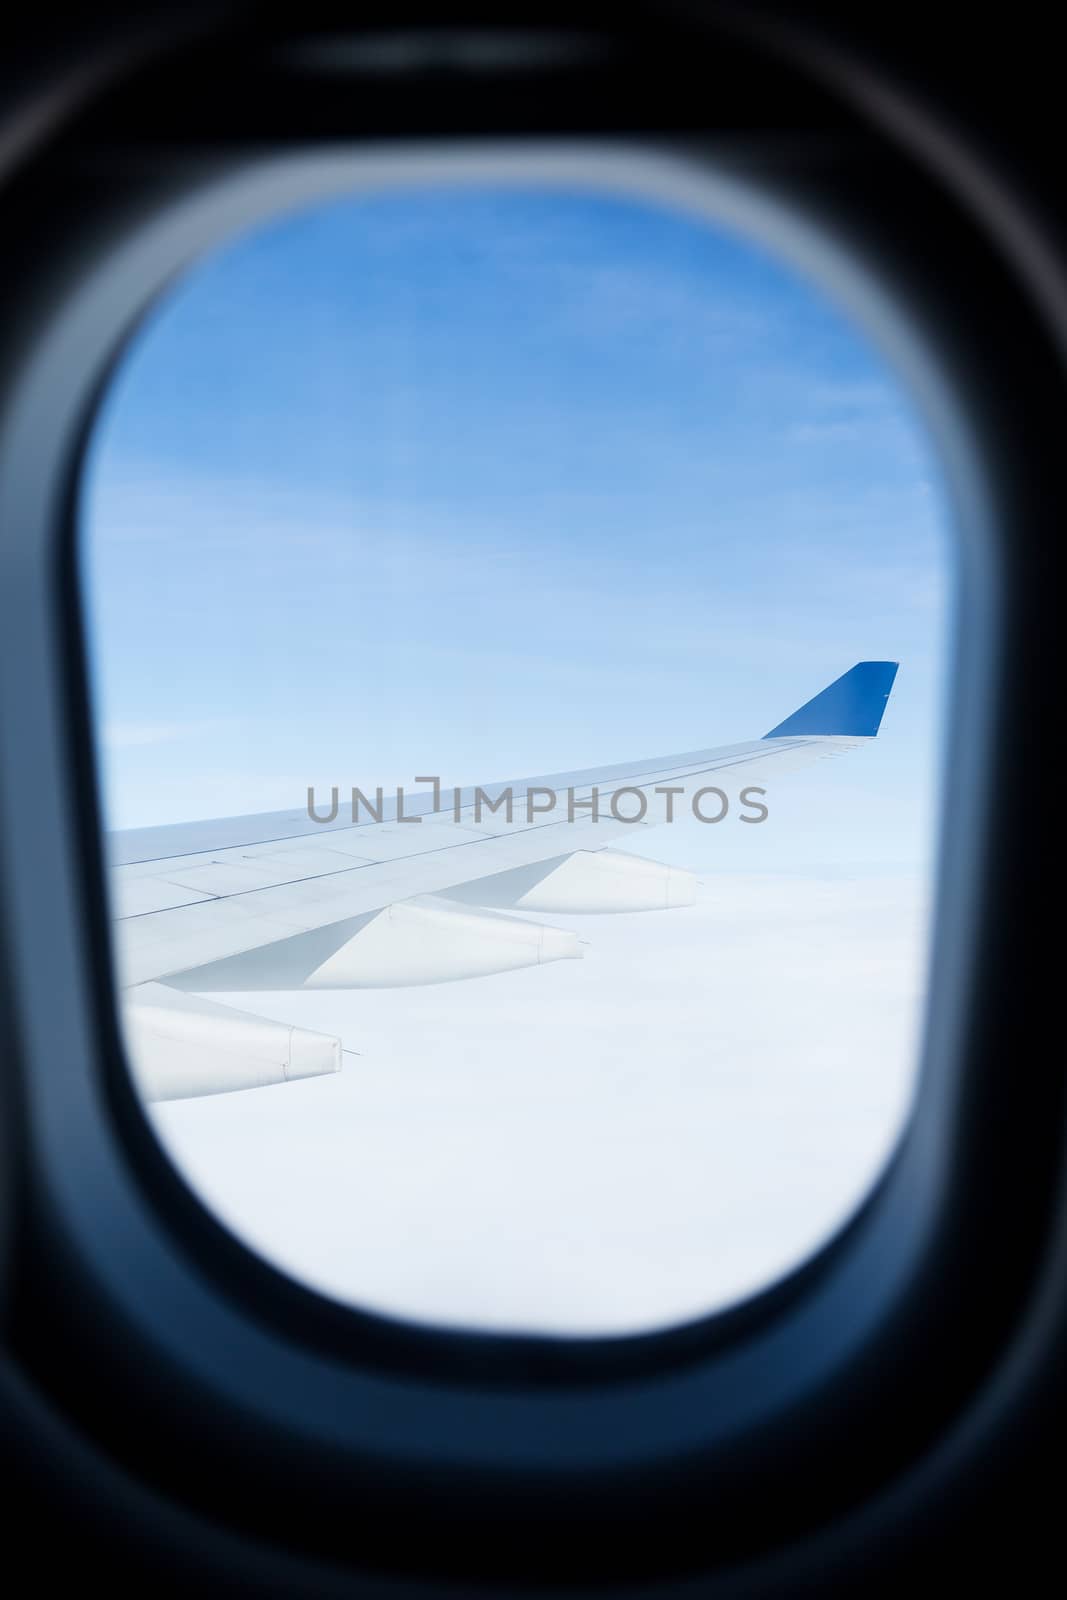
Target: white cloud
(127,735)
(604,1145)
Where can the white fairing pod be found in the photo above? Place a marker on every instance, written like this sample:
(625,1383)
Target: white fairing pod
(589,881)
(423,940)
(428,940)
(180,1046)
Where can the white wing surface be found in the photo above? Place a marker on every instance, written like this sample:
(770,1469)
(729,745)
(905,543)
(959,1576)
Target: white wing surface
(423,895)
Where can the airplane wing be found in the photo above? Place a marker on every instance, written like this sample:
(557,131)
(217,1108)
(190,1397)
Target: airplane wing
(419,892)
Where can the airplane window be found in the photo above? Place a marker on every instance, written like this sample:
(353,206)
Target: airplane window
(518,621)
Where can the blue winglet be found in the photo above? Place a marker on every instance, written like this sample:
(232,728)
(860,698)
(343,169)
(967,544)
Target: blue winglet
(852,705)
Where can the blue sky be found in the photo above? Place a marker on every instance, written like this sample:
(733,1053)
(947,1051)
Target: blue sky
(489,484)
(492,483)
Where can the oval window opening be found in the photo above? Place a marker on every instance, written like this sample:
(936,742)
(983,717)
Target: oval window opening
(518,619)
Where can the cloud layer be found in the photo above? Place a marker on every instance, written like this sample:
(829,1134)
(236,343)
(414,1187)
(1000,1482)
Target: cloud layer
(597,1147)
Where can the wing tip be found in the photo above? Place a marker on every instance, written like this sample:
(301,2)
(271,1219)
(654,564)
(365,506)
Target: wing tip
(852,706)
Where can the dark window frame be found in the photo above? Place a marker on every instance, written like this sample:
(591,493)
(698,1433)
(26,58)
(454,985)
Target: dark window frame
(881,1340)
